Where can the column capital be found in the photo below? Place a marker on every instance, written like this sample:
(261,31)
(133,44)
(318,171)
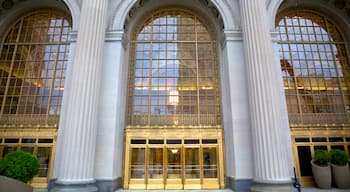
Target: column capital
(233,35)
(72,36)
(274,36)
(114,35)
(117,36)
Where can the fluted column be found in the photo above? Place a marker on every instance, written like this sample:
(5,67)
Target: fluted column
(78,136)
(269,154)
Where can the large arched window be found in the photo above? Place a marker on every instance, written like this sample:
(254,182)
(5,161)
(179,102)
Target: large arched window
(33,62)
(315,66)
(174,74)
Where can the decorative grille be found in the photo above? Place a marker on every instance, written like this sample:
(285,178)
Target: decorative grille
(315,66)
(174,74)
(33,63)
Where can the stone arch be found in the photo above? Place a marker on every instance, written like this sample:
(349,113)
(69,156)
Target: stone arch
(19,8)
(220,8)
(74,11)
(339,10)
(272,11)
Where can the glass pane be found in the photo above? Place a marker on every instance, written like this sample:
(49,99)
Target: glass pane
(155,163)
(174,163)
(315,67)
(33,57)
(192,167)
(180,76)
(137,163)
(341,147)
(27,149)
(44,159)
(210,162)
(8,149)
(304,155)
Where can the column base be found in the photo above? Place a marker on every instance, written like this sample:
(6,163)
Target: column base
(238,185)
(100,186)
(109,185)
(267,187)
(74,188)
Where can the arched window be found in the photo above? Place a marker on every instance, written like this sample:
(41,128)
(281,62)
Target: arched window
(173,73)
(315,66)
(33,62)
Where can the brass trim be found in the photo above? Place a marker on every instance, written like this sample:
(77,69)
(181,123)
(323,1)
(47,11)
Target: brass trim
(178,134)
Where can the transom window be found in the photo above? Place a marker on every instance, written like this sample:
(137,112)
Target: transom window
(173,77)
(33,62)
(315,68)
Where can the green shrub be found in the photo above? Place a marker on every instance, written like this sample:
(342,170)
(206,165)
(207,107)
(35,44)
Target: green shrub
(19,165)
(321,157)
(338,157)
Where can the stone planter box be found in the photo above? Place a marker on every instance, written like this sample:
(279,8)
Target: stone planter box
(12,185)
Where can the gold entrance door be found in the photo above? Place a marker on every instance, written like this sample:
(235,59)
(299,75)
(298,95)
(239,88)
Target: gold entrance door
(192,175)
(174,168)
(155,178)
(210,168)
(174,163)
(137,168)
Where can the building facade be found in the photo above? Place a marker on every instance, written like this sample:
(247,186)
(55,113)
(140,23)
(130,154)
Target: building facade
(162,94)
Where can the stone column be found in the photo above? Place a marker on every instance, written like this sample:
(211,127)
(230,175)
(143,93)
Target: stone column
(271,169)
(78,136)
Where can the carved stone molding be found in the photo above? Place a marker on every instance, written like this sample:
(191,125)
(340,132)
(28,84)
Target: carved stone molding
(215,12)
(339,5)
(140,4)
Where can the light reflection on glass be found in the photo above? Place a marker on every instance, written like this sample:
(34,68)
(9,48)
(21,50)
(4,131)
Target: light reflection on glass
(313,60)
(174,53)
(32,72)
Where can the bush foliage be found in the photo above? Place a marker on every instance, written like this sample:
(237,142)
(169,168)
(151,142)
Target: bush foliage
(321,157)
(338,157)
(19,165)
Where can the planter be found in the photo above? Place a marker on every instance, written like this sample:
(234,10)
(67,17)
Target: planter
(341,175)
(11,185)
(322,175)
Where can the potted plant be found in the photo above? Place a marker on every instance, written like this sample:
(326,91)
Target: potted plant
(321,169)
(16,169)
(340,168)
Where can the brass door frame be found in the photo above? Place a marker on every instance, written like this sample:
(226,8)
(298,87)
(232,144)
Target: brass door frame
(33,133)
(307,133)
(157,183)
(182,134)
(193,183)
(173,183)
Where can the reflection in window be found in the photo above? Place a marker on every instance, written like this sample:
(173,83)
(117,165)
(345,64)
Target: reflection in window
(174,73)
(192,166)
(137,168)
(315,68)
(174,163)
(33,61)
(8,149)
(210,162)
(155,163)
(44,159)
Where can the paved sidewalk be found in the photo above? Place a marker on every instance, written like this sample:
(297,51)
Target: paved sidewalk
(307,189)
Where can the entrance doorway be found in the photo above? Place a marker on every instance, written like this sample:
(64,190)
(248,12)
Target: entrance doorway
(175,163)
